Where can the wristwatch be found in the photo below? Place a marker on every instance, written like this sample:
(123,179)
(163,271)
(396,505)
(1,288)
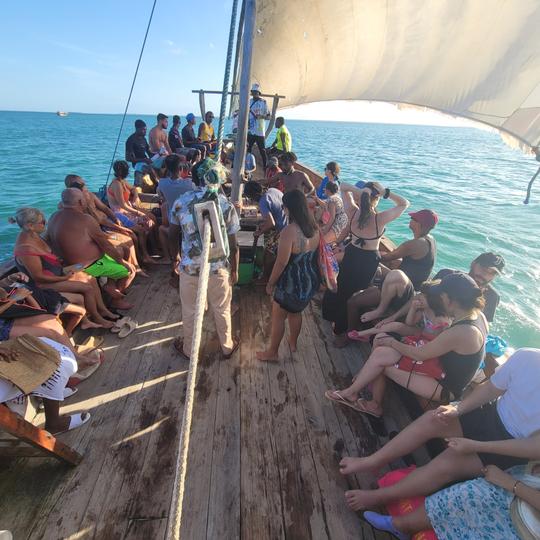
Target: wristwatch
(386,193)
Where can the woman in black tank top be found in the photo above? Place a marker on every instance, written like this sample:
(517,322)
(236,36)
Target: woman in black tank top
(438,370)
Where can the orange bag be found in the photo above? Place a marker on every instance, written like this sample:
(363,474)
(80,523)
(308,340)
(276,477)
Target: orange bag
(405,506)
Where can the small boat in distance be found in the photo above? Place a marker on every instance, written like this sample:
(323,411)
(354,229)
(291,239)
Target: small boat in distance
(61,113)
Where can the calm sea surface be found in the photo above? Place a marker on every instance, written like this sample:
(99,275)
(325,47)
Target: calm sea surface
(469,177)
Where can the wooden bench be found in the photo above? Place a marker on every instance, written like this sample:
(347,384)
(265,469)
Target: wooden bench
(28,440)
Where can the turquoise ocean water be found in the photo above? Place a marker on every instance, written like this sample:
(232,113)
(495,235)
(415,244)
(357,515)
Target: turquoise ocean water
(469,177)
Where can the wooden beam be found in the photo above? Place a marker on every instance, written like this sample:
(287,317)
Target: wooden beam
(37,437)
(243,113)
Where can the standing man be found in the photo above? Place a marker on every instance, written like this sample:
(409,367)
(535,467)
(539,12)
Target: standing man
(223,270)
(159,142)
(189,138)
(283,141)
(258,113)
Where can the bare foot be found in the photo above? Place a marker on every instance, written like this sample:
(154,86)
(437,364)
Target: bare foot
(142,273)
(293,345)
(110,315)
(267,356)
(122,304)
(351,465)
(360,499)
(113,292)
(86,324)
(371,316)
(86,361)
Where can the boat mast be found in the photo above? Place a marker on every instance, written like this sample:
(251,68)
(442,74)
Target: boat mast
(245,82)
(226,78)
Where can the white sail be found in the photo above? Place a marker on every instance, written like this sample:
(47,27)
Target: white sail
(479,59)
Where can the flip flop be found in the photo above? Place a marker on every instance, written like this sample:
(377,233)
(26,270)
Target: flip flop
(75,421)
(119,324)
(86,372)
(353,334)
(90,344)
(236,344)
(358,405)
(127,328)
(68,392)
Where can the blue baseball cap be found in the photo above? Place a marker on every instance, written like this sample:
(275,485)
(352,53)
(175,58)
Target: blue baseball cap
(190,117)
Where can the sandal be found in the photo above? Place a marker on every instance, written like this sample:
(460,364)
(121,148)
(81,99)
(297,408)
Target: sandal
(75,421)
(83,374)
(359,405)
(236,344)
(127,328)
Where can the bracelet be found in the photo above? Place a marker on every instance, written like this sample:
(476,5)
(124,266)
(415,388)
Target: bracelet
(515,486)
(386,193)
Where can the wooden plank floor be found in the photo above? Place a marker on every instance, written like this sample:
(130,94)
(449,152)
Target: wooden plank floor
(265,444)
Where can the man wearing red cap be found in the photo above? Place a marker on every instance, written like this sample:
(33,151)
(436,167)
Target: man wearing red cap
(417,261)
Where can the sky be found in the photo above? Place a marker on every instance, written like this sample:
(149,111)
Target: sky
(80,57)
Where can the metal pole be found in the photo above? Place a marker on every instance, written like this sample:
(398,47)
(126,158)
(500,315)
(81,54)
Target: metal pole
(226,78)
(245,81)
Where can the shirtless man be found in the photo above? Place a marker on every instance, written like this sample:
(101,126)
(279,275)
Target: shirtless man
(158,138)
(291,178)
(123,237)
(77,238)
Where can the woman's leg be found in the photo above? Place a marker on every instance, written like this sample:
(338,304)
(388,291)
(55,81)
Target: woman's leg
(375,365)
(164,243)
(49,327)
(428,426)
(276,334)
(142,237)
(81,283)
(295,326)
(394,284)
(414,522)
(450,466)
(420,385)
(74,314)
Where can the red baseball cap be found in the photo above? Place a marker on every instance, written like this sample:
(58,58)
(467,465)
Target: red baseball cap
(426,218)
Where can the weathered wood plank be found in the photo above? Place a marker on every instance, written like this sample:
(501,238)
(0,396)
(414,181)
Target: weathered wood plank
(261,503)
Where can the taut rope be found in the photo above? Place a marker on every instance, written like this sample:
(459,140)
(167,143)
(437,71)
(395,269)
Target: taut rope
(175,519)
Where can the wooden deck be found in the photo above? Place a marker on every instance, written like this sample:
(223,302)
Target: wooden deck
(265,444)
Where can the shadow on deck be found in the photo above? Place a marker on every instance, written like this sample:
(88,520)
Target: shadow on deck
(264,450)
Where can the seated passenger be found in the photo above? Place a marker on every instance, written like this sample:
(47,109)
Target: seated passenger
(283,141)
(250,165)
(118,235)
(479,509)
(206,132)
(124,200)
(422,321)
(189,137)
(336,218)
(437,370)
(35,258)
(274,217)
(271,175)
(175,139)
(54,380)
(331,172)
(77,239)
(137,150)
(417,261)
(173,185)
(296,277)
(291,178)
(158,139)
(500,414)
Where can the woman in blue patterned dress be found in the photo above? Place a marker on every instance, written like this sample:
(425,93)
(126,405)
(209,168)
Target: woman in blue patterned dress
(296,276)
(478,509)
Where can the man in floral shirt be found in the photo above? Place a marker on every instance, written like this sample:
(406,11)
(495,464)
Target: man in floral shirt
(223,270)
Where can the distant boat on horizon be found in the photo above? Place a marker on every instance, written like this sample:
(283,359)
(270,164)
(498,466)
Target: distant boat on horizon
(61,113)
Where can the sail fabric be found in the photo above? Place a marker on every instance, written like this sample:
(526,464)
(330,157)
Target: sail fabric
(476,59)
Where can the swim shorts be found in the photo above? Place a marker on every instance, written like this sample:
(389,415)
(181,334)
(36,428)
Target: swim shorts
(106,266)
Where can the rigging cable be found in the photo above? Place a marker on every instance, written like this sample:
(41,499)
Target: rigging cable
(129,97)
(536,150)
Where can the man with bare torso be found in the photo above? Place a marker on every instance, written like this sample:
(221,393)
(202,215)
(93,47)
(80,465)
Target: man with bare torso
(77,238)
(158,138)
(291,178)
